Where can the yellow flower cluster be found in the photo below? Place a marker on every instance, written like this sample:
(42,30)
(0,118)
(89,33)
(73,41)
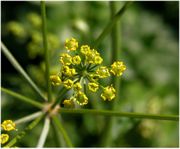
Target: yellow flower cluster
(80,67)
(7,125)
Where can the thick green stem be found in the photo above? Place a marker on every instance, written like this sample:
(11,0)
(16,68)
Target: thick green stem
(45,44)
(111,23)
(23,98)
(18,67)
(24,132)
(62,130)
(120,114)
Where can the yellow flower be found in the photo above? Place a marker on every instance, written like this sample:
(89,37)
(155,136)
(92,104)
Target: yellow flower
(68,83)
(117,68)
(55,80)
(93,86)
(108,93)
(77,86)
(91,55)
(98,60)
(4,138)
(71,44)
(103,72)
(76,60)
(68,71)
(8,125)
(65,59)
(68,103)
(73,71)
(85,49)
(81,98)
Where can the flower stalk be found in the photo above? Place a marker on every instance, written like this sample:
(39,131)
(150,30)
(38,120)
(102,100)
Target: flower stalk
(28,118)
(45,45)
(22,98)
(119,114)
(56,121)
(111,23)
(44,133)
(18,67)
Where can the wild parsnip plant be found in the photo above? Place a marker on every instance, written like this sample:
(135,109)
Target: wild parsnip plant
(81,71)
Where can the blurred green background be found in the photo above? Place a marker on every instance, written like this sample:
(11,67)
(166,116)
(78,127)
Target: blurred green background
(149,48)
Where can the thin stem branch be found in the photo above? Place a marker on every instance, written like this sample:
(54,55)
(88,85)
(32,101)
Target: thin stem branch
(119,114)
(22,98)
(60,96)
(62,130)
(18,67)
(111,23)
(44,133)
(45,44)
(24,132)
(28,118)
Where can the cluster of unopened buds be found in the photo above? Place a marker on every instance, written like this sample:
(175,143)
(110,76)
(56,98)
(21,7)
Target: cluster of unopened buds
(7,125)
(82,68)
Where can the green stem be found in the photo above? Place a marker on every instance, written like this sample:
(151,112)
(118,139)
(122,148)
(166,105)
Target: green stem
(23,98)
(44,133)
(18,67)
(120,114)
(60,97)
(24,132)
(115,39)
(62,130)
(28,118)
(57,137)
(111,23)
(45,44)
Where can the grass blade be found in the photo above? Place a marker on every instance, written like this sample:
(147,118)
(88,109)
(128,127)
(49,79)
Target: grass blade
(22,98)
(62,130)
(120,114)
(111,23)
(18,67)
(44,133)
(45,44)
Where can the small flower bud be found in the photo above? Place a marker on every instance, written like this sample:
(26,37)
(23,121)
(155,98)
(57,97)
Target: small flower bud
(71,44)
(77,86)
(68,83)
(117,68)
(68,103)
(65,59)
(81,98)
(55,80)
(76,60)
(103,72)
(93,86)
